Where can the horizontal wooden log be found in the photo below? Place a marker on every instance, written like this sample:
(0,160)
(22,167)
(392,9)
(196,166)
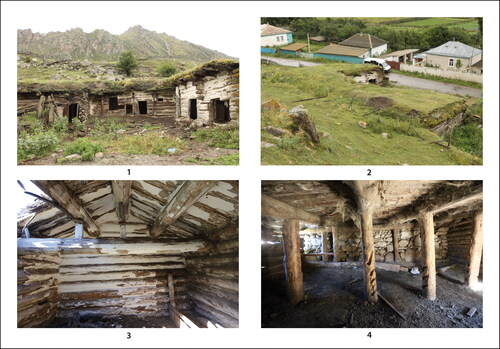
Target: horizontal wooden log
(218,259)
(224,294)
(226,272)
(215,315)
(379,265)
(278,209)
(92,259)
(111,285)
(30,317)
(40,296)
(110,246)
(225,246)
(226,307)
(226,233)
(115,311)
(231,285)
(111,275)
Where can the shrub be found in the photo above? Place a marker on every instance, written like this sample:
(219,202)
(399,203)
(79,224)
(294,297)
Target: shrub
(127,62)
(36,145)
(219,137)
(468,138)
(167,69)
(83,147)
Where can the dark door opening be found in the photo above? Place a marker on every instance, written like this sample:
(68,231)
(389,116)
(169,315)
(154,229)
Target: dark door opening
(220,110)
(113,103)
(193,109)
(128,109)
(72,112)
(143,107)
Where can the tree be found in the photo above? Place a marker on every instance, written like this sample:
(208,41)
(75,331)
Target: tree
(458,64)
(127,62)
(167,69)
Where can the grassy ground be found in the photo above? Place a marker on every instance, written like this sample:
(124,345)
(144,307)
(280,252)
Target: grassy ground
(430,22)
(339,115)
(113,135)
(439,78)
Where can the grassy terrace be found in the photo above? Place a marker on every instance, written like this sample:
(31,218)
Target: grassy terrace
(339,115)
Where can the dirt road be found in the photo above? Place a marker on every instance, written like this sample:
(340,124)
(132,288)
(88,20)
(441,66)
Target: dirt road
(442,87)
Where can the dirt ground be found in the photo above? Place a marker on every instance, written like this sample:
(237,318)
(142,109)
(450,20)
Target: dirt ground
(200,152)
(330,302)
(125,321)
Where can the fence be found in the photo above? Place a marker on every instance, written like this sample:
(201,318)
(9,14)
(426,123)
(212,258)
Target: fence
(444,73)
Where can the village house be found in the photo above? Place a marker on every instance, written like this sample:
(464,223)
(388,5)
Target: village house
(453,55)
(401,56)
(271,36)
(348,54)
(207,94)
(375,45)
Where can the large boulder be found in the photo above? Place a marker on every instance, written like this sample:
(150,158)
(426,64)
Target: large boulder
(303,121)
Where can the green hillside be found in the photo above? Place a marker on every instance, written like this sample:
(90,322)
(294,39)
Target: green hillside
(407,119)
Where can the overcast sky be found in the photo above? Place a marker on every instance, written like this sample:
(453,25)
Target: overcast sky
(204,24)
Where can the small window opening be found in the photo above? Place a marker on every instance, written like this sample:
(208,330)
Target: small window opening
(160,99)
(128,109)
(72,111)
(220,110)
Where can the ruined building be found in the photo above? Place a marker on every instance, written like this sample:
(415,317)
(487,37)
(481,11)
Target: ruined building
(207,94)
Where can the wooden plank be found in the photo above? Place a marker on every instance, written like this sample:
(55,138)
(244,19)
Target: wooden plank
(292,260)
(121,196)
(391,306)
(278,209)
(395,242)
(475,251)
(187,194)
(137,246)
(60,193)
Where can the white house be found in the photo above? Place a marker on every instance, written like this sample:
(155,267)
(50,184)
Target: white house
(271,36)
(454,55)
(377,46)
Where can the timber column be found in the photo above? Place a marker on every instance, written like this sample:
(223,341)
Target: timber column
(369,274)
(325,246)
(428,256)
(475,251)
(292,261)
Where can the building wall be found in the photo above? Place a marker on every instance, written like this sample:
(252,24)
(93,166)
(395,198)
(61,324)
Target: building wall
(377,51)
(272,254)
(213,282)
(347,59)
(453,74)
(224,86)
(37,289)
(276,40)
(459,241)
(442,62)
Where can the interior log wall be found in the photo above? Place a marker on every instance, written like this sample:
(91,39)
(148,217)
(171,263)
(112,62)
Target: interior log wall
(213,281)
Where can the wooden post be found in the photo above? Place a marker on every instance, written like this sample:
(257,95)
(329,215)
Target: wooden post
(475,251)
(369,274)
(123,231)
(292,261)
(171,297)
(428,255)
(78,231)
(395,243)
(325,246)
(336,247)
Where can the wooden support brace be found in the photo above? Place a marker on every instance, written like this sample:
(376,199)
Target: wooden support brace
(172,304)
(370,277)
(475,251)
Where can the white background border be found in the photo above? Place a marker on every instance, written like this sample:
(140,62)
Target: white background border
(249,173)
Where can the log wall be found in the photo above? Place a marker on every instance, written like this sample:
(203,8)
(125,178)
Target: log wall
(224,86)
(37,289)
(113,285)
(459,241)
(213,282)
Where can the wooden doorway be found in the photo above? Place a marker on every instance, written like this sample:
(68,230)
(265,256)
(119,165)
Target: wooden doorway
(72,112)
(193,109)
(143,107)
(219,110)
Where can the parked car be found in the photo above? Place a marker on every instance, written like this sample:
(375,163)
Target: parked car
(379,62)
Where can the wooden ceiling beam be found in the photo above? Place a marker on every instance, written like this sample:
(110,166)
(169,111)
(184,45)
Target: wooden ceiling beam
(121,196)
(185,196)
(278,209)
(60,193)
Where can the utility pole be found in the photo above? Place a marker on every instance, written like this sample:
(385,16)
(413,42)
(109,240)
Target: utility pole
(308,44)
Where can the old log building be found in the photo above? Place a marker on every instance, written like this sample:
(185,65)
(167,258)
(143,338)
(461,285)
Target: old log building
(372,253)
(129,254)
(207,94)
